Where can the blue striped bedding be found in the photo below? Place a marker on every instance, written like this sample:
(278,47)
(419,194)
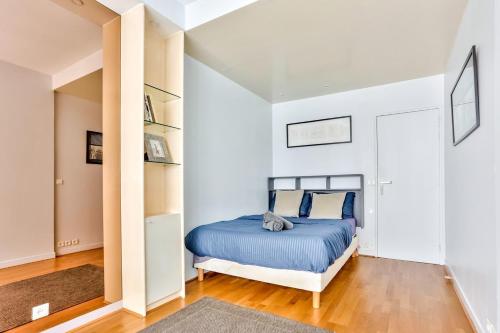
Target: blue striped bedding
(312,245)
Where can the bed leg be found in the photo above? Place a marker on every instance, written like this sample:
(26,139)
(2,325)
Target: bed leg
(355,253)
(316,299)
(201,274)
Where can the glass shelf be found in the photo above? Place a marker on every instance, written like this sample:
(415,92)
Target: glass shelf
(159,95)
(162,163)
(161,127)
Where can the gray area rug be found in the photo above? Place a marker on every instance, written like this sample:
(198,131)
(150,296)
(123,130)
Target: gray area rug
(209,315)
(62,289)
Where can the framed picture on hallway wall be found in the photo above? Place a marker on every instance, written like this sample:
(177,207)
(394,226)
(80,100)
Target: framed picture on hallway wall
(319,132)
(465,100)
(94,147)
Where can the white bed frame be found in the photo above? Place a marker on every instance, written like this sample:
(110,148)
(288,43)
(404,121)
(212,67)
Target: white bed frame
(310,281)
(314,282)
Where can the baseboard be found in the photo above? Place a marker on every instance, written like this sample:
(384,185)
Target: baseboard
(86,318)
(474,320)
(78,248)
(26,260)
(164,300)
(367,252)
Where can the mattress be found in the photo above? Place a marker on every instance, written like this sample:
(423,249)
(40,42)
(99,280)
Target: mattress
(312,245)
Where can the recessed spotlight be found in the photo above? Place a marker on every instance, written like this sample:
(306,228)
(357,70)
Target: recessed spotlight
(78,3)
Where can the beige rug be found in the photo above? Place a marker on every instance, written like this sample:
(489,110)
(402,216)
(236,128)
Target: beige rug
(209,315)
(62,289)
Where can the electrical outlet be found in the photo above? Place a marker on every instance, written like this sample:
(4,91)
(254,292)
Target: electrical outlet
(60,244)
(75,241)
(489,327)
(67,243)
(40,311)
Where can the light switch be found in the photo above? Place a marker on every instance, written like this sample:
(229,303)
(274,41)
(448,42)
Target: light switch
(59,181)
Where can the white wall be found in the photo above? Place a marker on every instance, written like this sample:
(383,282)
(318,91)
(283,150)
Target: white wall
(360,155)
(469,170)
(497,145)
(26,166)
(228,150)
(78,203)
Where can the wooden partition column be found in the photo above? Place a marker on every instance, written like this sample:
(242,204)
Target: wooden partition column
(111,167)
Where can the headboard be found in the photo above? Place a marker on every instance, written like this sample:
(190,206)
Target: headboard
(325,184)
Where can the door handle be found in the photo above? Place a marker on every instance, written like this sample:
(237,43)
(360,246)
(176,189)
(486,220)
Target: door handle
(382,183)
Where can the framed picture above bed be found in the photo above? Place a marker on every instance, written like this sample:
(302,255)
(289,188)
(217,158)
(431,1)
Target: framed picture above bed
(465,100)
(319,132)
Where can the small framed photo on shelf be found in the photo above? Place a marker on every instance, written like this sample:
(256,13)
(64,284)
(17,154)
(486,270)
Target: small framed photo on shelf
(149,114)
(94,148)
(156,149)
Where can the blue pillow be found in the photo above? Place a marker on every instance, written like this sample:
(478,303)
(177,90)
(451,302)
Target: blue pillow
(348,207)
(305,205)
(272,201)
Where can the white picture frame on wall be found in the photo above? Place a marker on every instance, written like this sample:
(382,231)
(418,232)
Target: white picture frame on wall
(319,132)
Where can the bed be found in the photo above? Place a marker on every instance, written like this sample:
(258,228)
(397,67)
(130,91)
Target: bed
(307,257)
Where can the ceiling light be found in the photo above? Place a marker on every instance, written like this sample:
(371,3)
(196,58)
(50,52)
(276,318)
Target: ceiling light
(78,3)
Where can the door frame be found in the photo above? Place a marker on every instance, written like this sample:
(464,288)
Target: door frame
(441,219)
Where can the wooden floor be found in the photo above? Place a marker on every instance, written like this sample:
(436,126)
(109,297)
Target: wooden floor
(367,295)
(22,272)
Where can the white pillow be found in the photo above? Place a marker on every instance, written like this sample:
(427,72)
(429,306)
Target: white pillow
(287,203)
(327,206)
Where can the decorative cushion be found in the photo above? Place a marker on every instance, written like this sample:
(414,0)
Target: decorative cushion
(272,201)
(305,205)
(327,206)
(348,208)
(287,203)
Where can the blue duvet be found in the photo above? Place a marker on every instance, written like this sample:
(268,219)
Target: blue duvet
(312,245)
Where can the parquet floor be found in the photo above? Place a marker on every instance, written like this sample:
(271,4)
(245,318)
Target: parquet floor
(367,295)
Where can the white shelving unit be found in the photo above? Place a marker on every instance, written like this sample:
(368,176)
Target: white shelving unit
(151,192)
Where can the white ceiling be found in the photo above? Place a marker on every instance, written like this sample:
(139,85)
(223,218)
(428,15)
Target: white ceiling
(291,49)
(88,87)
(42,36)
(186,2)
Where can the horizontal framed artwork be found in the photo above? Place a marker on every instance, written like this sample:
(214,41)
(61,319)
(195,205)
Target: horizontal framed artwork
(319,132)
(465,100)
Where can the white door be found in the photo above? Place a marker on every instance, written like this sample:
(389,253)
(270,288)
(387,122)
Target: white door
(408,186)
